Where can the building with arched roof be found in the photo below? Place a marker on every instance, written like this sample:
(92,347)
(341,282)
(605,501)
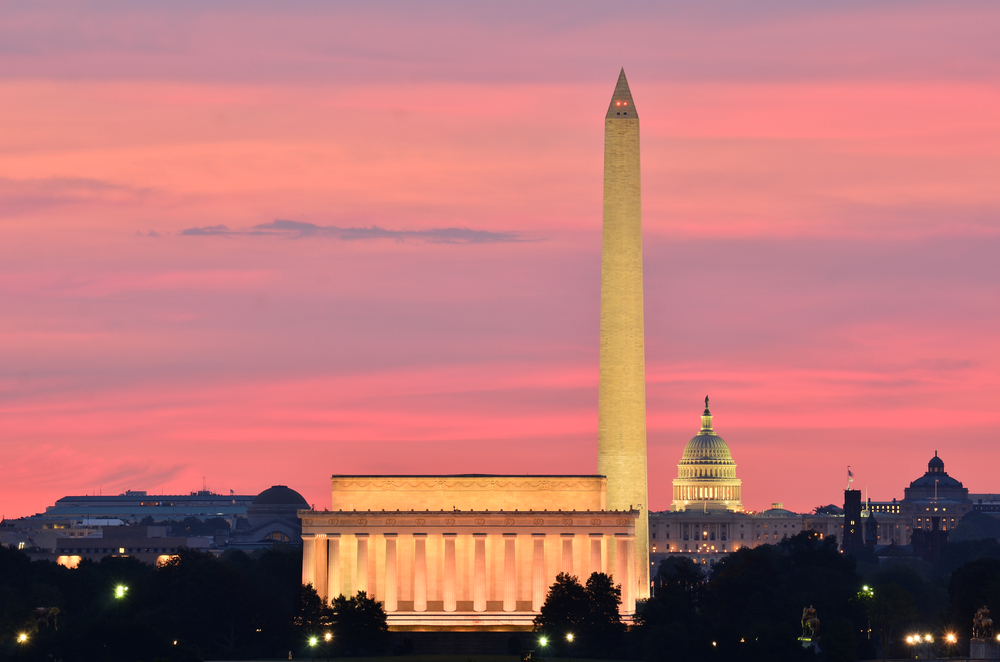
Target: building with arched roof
(272,517)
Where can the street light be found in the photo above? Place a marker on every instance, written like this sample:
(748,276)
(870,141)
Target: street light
(569,645)
(312,645)
(120,591)
(22,638)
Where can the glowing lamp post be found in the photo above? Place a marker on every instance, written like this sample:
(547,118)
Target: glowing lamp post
(120,591)
(569,645)
(22,638)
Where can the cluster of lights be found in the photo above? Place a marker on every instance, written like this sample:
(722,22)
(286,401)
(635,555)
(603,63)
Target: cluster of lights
(314,640)
(120,591)
(916,639)
(544,641)
(621,103)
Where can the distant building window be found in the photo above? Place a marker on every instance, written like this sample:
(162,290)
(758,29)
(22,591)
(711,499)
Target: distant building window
(278,536)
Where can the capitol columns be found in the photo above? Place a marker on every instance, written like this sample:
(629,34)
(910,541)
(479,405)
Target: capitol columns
(361,582)
(333,566)
(309,559)
(625,570)
(391,574)
(319,554)
(596,557)
(449,572)
(509,572)
(419,572)
(538,584)
(479,572)
(567,553)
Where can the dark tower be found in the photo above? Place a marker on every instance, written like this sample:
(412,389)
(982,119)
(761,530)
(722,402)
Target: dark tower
(871,528)
(853,537)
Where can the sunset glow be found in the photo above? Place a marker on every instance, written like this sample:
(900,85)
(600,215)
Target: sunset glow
(253,244)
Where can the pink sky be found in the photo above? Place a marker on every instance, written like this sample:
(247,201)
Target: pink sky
(821,216)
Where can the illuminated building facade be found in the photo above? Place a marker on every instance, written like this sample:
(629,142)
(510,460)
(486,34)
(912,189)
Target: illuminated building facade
(932,506)
(706,520)
(706,475)
(461,551)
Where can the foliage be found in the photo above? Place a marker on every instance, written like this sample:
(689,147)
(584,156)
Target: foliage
(360,625)
(890,606)
(975,525)
(973,585)
(956,554)
(222,608)
(589,613)
(750,607)
(565,607)
(669,624)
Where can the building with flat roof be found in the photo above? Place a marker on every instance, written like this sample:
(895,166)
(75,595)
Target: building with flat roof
(135,505)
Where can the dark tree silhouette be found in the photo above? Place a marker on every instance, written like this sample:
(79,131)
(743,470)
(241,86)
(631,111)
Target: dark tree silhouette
(360,625)
(590,613)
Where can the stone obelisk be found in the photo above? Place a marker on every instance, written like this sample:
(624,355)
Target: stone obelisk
(622,392)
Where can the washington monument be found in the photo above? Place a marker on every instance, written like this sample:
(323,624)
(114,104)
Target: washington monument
(621,436)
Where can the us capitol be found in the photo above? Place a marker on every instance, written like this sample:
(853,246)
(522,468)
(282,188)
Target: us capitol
(707,521)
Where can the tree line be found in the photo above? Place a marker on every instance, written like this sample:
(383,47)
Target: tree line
(748,606)
(198,606)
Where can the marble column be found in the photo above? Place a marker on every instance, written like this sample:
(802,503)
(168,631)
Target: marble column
(391,574)
(419,572)
(633,576)
(509,572)
(333,566)
(538,572)
(567,553)
(479,573)
(449,572)
(319,552)
(596,562)
(309,559)
(361,582)
(621,571)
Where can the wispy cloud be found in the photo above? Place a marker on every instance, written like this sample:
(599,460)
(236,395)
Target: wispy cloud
(301,230)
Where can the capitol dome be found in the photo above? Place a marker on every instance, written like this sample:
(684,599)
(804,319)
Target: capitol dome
(706,474)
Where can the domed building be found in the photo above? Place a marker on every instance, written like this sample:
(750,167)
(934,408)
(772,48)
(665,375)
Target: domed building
(272,517)
(706,475)
(936,484)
